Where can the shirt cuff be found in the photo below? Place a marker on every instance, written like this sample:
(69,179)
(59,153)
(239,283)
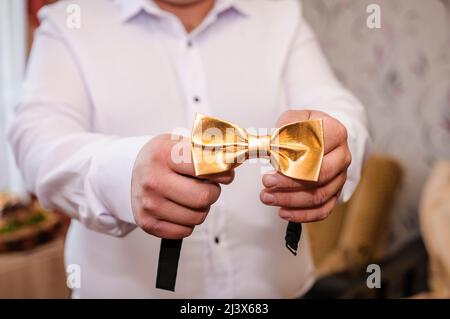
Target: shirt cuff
(111,176)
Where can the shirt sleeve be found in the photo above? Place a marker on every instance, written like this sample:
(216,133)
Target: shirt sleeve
(64,162)
(311,84)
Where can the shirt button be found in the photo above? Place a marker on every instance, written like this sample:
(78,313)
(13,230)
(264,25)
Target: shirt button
(189,43)
(196,99)
(216,240)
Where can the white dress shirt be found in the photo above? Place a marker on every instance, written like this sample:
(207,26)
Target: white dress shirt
(94,95)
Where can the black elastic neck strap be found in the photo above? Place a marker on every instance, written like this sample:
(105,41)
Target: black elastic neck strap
(169,254)
(293,234)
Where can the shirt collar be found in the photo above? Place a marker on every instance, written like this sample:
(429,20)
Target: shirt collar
(131,8)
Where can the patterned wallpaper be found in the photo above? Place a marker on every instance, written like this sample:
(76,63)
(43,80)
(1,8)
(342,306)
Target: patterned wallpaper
(401,72)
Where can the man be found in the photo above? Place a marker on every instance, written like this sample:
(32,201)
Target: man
(92,137)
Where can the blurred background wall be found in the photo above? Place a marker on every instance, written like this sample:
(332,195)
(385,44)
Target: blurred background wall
(401,73)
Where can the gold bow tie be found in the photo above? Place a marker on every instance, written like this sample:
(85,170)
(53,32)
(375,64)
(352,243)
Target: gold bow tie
(295,150)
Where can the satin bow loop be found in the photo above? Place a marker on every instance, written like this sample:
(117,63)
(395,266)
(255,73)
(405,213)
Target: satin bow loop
(295,150)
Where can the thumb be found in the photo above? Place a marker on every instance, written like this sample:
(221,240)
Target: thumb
(293,116)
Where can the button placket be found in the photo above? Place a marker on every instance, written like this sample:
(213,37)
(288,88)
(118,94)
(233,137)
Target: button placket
(195,80)
(219,277)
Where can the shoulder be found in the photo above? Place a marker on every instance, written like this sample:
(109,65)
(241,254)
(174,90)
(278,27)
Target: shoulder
(89,12)
(273,16)
(272,8)
(274,20)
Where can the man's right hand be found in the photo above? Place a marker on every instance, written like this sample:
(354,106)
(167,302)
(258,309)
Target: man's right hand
(168,201)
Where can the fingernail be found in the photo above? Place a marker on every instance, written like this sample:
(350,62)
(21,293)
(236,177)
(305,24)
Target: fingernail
(270,180)
(268,198)
(285,214)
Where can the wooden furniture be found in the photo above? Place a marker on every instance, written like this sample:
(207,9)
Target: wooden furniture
(36,273)
(356,232)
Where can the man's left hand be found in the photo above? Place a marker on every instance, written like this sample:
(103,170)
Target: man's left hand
(302,201)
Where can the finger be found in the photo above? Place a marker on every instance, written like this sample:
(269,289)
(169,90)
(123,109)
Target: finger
(164,229)
(295,115)
(224,178)
(181,162)
(304,198)
(166,210)
(310,214)
(180,159)
(183,190)
(332,165)
(275,180)
(334,134)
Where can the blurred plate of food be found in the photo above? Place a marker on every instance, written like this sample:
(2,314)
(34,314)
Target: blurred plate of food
(24,224)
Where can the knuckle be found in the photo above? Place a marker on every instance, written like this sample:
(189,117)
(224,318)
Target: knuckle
(343,179)
(348,159)
(295,183)
(162,152)
(280,199)
(203,198)
(149,225)
(199,218)
(203,216)
(148,204)
(185,232)
(286,116)
(208,196)
(155,155)
(140,222)
(150,182)
(296,218)
(325,173)
(322,215)
(319,197)
(343,134)
(154,227)
(288,199)
(324,212)
(229,179)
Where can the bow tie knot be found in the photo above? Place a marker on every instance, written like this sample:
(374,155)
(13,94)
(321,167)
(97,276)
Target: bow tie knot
(258,146)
